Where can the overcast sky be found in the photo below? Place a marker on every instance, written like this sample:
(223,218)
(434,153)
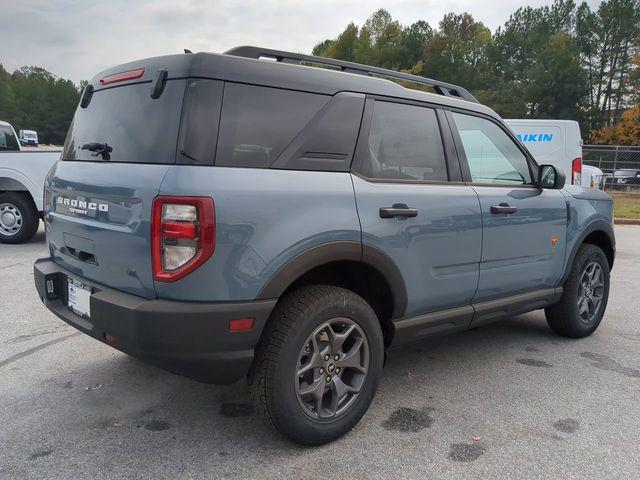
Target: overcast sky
(77,38)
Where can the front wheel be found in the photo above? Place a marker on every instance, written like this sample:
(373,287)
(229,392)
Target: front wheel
(584,296)
(318,364)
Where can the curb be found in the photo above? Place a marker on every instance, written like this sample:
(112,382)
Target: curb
(626,221)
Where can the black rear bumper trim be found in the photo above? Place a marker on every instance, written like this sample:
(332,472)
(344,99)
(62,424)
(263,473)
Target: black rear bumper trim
(188,338)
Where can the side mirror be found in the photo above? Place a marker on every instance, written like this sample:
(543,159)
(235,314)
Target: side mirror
(550,177)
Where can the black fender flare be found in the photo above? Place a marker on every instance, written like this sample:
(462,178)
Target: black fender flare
(333,252)
(595,226)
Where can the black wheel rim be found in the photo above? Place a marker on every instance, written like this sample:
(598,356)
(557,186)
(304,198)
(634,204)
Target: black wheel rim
(590,292)
(332,368)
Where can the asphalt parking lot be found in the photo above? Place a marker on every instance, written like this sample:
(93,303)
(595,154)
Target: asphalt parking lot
(510,400)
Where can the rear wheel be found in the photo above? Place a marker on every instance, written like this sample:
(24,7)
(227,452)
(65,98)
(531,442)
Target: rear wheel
(318,364)
(584,296)
(18,218)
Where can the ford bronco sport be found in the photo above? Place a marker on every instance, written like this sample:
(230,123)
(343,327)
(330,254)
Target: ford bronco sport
(251,214)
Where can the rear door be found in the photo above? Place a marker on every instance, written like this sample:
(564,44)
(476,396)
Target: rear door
(99,197)
(413,206)
(524,227)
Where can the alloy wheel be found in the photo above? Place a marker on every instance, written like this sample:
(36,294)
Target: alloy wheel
(332,368)
(590,292)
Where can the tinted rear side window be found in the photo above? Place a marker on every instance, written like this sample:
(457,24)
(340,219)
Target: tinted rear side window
(8,140)
(259,122)
(138,128)
(200,117)
(405,144)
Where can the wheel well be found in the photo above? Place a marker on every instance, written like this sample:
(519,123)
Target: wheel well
(25,193)
(11,185)
(361,279)
(600,239)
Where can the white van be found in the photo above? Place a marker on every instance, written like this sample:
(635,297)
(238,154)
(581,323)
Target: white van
(29,138)
(556,142)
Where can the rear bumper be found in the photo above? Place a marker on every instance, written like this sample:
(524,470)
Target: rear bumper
(188,338)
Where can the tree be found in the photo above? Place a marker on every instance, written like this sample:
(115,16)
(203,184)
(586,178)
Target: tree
(608,39)
(536,64)
(557,61)
(625,132)
(559,83)
(457,52)
(415,38)
(34,99)
(322,47)
(342,48)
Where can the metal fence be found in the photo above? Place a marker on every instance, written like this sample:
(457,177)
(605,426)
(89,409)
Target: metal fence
(619,163)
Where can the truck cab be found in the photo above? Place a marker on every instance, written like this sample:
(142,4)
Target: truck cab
(8,138)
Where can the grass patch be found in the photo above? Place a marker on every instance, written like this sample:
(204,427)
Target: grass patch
(626,206)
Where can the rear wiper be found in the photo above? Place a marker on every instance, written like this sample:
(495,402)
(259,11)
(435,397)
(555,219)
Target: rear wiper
(102,149)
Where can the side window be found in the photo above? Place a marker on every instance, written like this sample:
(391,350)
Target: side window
(491,154)
(405,144)
(8,140)
(259,122)
(200,117)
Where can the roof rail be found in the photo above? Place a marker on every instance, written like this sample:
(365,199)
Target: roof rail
(442,88)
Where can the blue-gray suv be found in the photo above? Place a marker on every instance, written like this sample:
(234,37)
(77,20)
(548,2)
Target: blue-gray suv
(291,218)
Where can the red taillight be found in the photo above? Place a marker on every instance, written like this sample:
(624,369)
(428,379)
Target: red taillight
(576,171)
(122,77)
(183,232)
(179,230)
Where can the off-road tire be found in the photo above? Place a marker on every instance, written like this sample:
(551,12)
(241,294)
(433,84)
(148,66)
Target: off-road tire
(272,377)
(563,317)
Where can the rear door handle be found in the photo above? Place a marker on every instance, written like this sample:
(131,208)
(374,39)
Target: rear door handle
(398,210)
(503,208)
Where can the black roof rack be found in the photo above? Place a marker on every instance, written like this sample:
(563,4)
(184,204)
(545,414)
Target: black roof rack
(442,88)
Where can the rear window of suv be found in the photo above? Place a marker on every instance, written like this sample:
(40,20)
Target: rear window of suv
(136,127)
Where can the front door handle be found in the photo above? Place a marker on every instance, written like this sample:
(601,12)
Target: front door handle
(398,210)
(503,208)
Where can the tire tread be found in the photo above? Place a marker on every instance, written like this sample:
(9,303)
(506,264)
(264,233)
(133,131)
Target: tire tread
(288,313)
(561,316)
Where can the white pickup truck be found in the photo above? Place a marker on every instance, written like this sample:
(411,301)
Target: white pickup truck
(22,175)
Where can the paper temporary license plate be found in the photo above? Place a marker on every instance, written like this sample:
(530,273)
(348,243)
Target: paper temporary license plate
(79,297)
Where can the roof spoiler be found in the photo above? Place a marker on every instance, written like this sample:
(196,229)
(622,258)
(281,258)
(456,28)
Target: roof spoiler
(442,88)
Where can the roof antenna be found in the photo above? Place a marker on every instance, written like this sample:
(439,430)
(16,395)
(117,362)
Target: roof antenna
(186,50)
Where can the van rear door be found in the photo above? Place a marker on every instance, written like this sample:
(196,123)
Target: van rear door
(99,197)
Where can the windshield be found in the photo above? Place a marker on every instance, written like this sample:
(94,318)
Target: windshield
(8,140)
(30,135)
(124,124)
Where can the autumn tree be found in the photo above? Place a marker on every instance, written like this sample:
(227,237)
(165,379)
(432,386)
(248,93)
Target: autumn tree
(624,132)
